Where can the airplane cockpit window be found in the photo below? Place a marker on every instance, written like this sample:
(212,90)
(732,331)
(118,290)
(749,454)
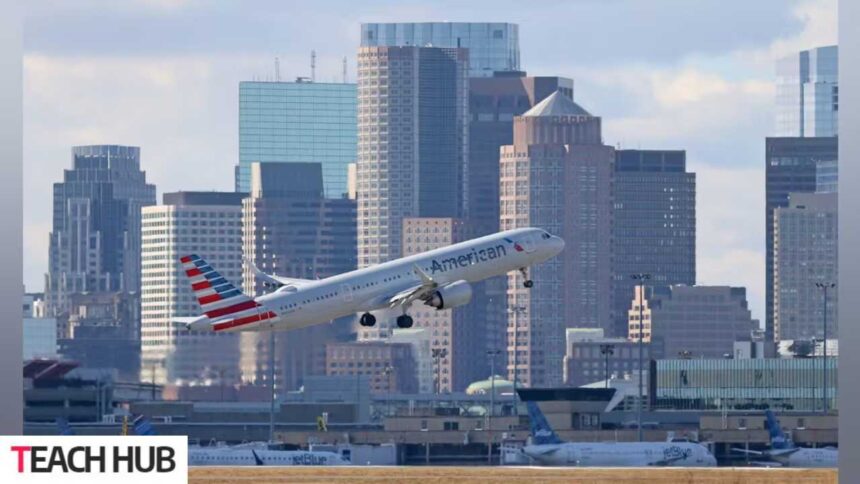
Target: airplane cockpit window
(545,235)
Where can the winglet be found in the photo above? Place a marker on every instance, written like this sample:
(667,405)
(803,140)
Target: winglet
(425,278)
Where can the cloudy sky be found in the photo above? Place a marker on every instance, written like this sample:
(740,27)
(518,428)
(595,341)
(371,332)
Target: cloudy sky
(663,74)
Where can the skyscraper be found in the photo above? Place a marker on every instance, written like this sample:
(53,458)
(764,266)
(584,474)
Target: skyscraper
(454,332)
(493,103)
(557,176)
(807,93)
(654,224)
(290,229)
(208,224)
(791,167)
(295,122)
(413,145)
(95,241)
(805,252)
(492,46)
(696,321)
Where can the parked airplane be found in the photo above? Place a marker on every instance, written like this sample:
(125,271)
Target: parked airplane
(546,448)
(786,453)
(248,454)
(260,454)
(439,278)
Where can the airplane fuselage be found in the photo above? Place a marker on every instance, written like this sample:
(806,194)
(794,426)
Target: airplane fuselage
(809,457)
(622,454)
(262,457)
(372,288)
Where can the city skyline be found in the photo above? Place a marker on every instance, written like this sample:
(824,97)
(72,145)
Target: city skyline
(715,90)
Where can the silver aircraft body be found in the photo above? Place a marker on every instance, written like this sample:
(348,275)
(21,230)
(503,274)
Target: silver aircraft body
(254,455)
(547,449)
(439,278)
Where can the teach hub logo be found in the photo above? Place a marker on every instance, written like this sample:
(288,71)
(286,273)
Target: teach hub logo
(94,459)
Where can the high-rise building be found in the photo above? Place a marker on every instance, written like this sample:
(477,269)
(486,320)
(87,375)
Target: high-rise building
(591,357)
(95,241)
(691,321)
(291,229)
(297,122)
(792,166)
(453,331)
(493,103)
(557,176)
(390,367)
(208,224)
(104,332)
(492,47)
(412,144)
(807,93)
(805,252)
(654,224)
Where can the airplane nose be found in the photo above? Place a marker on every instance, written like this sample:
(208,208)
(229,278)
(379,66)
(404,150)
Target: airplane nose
(557,243)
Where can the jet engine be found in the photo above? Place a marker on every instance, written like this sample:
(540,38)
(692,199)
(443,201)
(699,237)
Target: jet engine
(450,296)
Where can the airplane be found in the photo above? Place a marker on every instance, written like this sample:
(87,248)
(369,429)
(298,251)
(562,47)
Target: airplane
(787,454)
(439,278)
(546,448)
(249,454)
(260,454)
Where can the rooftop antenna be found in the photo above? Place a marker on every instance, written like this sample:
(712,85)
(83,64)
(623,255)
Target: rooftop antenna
(313,66)
(344,70)
(277,70)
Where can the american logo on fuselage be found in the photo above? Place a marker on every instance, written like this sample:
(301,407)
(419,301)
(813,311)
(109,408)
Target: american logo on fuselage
(467,259)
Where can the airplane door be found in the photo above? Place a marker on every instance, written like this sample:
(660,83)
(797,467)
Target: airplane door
(346,292)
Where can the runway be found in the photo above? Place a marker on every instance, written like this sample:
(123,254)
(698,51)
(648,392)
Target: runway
(450,475)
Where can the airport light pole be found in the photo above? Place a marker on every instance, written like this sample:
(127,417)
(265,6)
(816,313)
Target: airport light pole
(492,354)
(388,369)
(641,277)
(516,310)
(272,385)
(606,350)
(824,286)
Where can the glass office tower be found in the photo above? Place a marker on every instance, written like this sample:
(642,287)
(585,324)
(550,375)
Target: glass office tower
(492,46)
(298,122)
(807,93)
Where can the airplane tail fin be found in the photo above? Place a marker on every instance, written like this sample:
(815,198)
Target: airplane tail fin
(217,296)
(542,433)
(778,439)
(142,426)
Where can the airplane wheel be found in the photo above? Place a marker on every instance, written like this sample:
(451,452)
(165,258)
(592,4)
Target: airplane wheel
(367,320)
(404,321)
(528,283)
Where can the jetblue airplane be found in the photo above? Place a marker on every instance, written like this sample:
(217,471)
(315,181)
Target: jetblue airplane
(546,448)
(249,454)
(258,454)
(439,278)
(784,452)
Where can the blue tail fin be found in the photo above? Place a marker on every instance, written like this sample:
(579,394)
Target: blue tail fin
(142,426)
(778,439)
(64,427)
(542,433)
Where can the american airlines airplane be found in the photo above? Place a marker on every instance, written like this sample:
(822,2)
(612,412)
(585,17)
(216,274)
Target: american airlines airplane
(784,452)
(546,448)
(439,278)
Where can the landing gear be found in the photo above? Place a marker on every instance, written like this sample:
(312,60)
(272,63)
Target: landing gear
(367,320)
(528,283)
(404,321)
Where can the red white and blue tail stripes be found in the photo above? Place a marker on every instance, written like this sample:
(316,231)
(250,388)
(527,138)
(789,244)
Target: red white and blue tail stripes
(219,299)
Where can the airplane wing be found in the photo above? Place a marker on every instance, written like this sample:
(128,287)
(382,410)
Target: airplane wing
(279,280)
(669,461)
(421,291)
